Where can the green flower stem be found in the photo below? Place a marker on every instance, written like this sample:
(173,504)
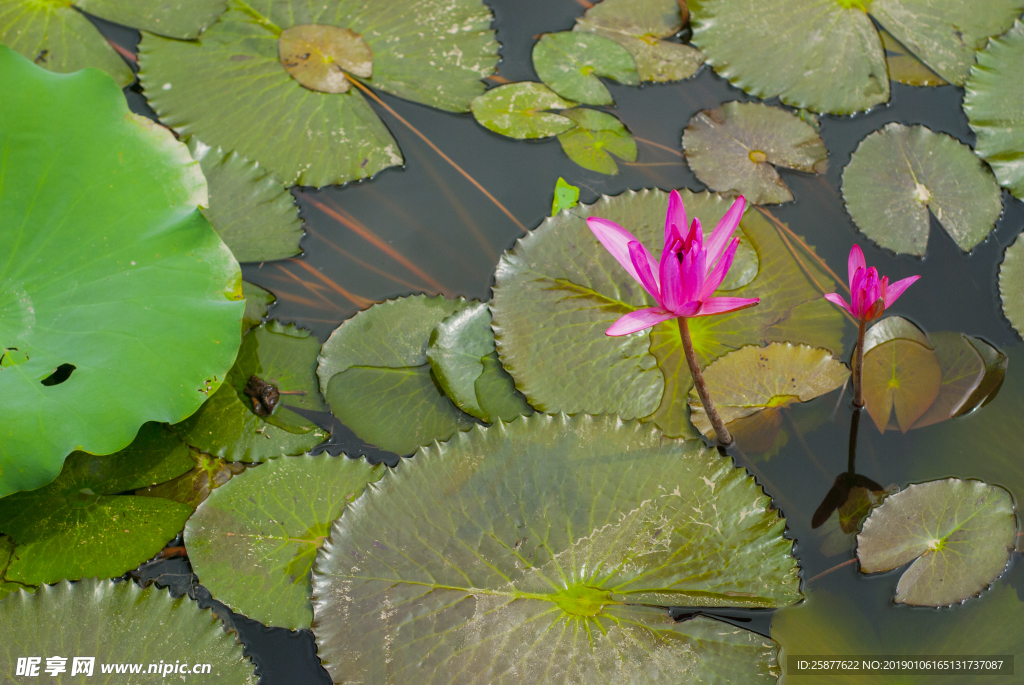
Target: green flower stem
(702,388)
(858,365)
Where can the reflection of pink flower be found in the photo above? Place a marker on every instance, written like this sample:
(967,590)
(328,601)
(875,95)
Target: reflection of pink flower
(689,271)
(870,296)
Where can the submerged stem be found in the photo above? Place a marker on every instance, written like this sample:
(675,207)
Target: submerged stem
(854,425)
(702,388)
(858,365)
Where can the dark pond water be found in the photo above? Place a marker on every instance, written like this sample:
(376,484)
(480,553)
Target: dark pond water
(436,233)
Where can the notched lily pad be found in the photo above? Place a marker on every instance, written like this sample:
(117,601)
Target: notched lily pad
(570,62)
(641,26)
(377,379)
(570,535)
(318,55)
(958,533)
(243,421)
(901,173)
(249,519)
(734,148)
(597,134)
(763,381)
(519,110)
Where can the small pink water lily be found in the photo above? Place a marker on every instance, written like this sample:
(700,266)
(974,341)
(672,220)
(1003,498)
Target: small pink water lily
(689,270)
(870,295)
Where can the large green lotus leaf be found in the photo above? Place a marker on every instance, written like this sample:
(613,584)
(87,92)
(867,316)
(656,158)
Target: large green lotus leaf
(763,380)
(257,303)
(570,63)
(904,67)
(519,110)
(279,514)
(902,374)
(80,526)
(251,211)
(116,623)
(900,173)
(120,299)
(733,149)
(639,26)
(464,362)
(192,488)
(994,103)
(558,291)
(378,380)
(596,135)
(958,533)
(552,545)
(228,425)
(230,89)
(836,624)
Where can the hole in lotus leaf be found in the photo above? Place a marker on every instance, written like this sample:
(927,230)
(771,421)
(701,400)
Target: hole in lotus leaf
(59,375)
(318,55)
(12,356)
(958,533)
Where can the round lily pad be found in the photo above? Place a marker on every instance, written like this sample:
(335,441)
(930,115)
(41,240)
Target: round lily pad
(465,364)
(827,55)
(734,148)
(901,173)
(641,26)
(958,533)
(570,62)
(762,380)
(108,624)
(251,211)
(377,378)
(596,135)
(558,291)
(137,314)
(80,525)
(280,514)
(1011,285)
(230,89)
(994,104)
(552,545)
(519,110)
(317,56)
(243,420)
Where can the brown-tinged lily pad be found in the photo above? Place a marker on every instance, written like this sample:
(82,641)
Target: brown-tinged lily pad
(318,55)
(902,374)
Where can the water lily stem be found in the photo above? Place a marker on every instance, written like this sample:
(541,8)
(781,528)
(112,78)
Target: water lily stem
(854,425)
(702,388)
(858,365)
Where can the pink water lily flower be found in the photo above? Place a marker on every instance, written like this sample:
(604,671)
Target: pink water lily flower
(870,296)
(689,270)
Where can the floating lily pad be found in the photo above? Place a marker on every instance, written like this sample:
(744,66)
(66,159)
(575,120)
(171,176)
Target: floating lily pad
(257,303)
(251,211)
(1011,285)
(519,110)
(235,424)
(902,375)
(280,514)
(763,380)
(904,67)
(734,148)
(80,525)
(377,378)
(596,134)
(106,621)
(838,624)
(994,104)
(567,196)
(900,173)
(570,62)
(571,536)
(641,26)
(958,533)
(963,370)
(134,313)
(318,56)
(465,364)
(192,488)
(558,291)
(230,89)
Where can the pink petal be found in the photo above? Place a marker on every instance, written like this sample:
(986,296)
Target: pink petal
(718,273)
(675,216)
(639,320)
(723,231)
(856,261)
(642,261)
(896,289)
(722,305)
(693,271)
(671,282)
(616,240)
(837,299)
